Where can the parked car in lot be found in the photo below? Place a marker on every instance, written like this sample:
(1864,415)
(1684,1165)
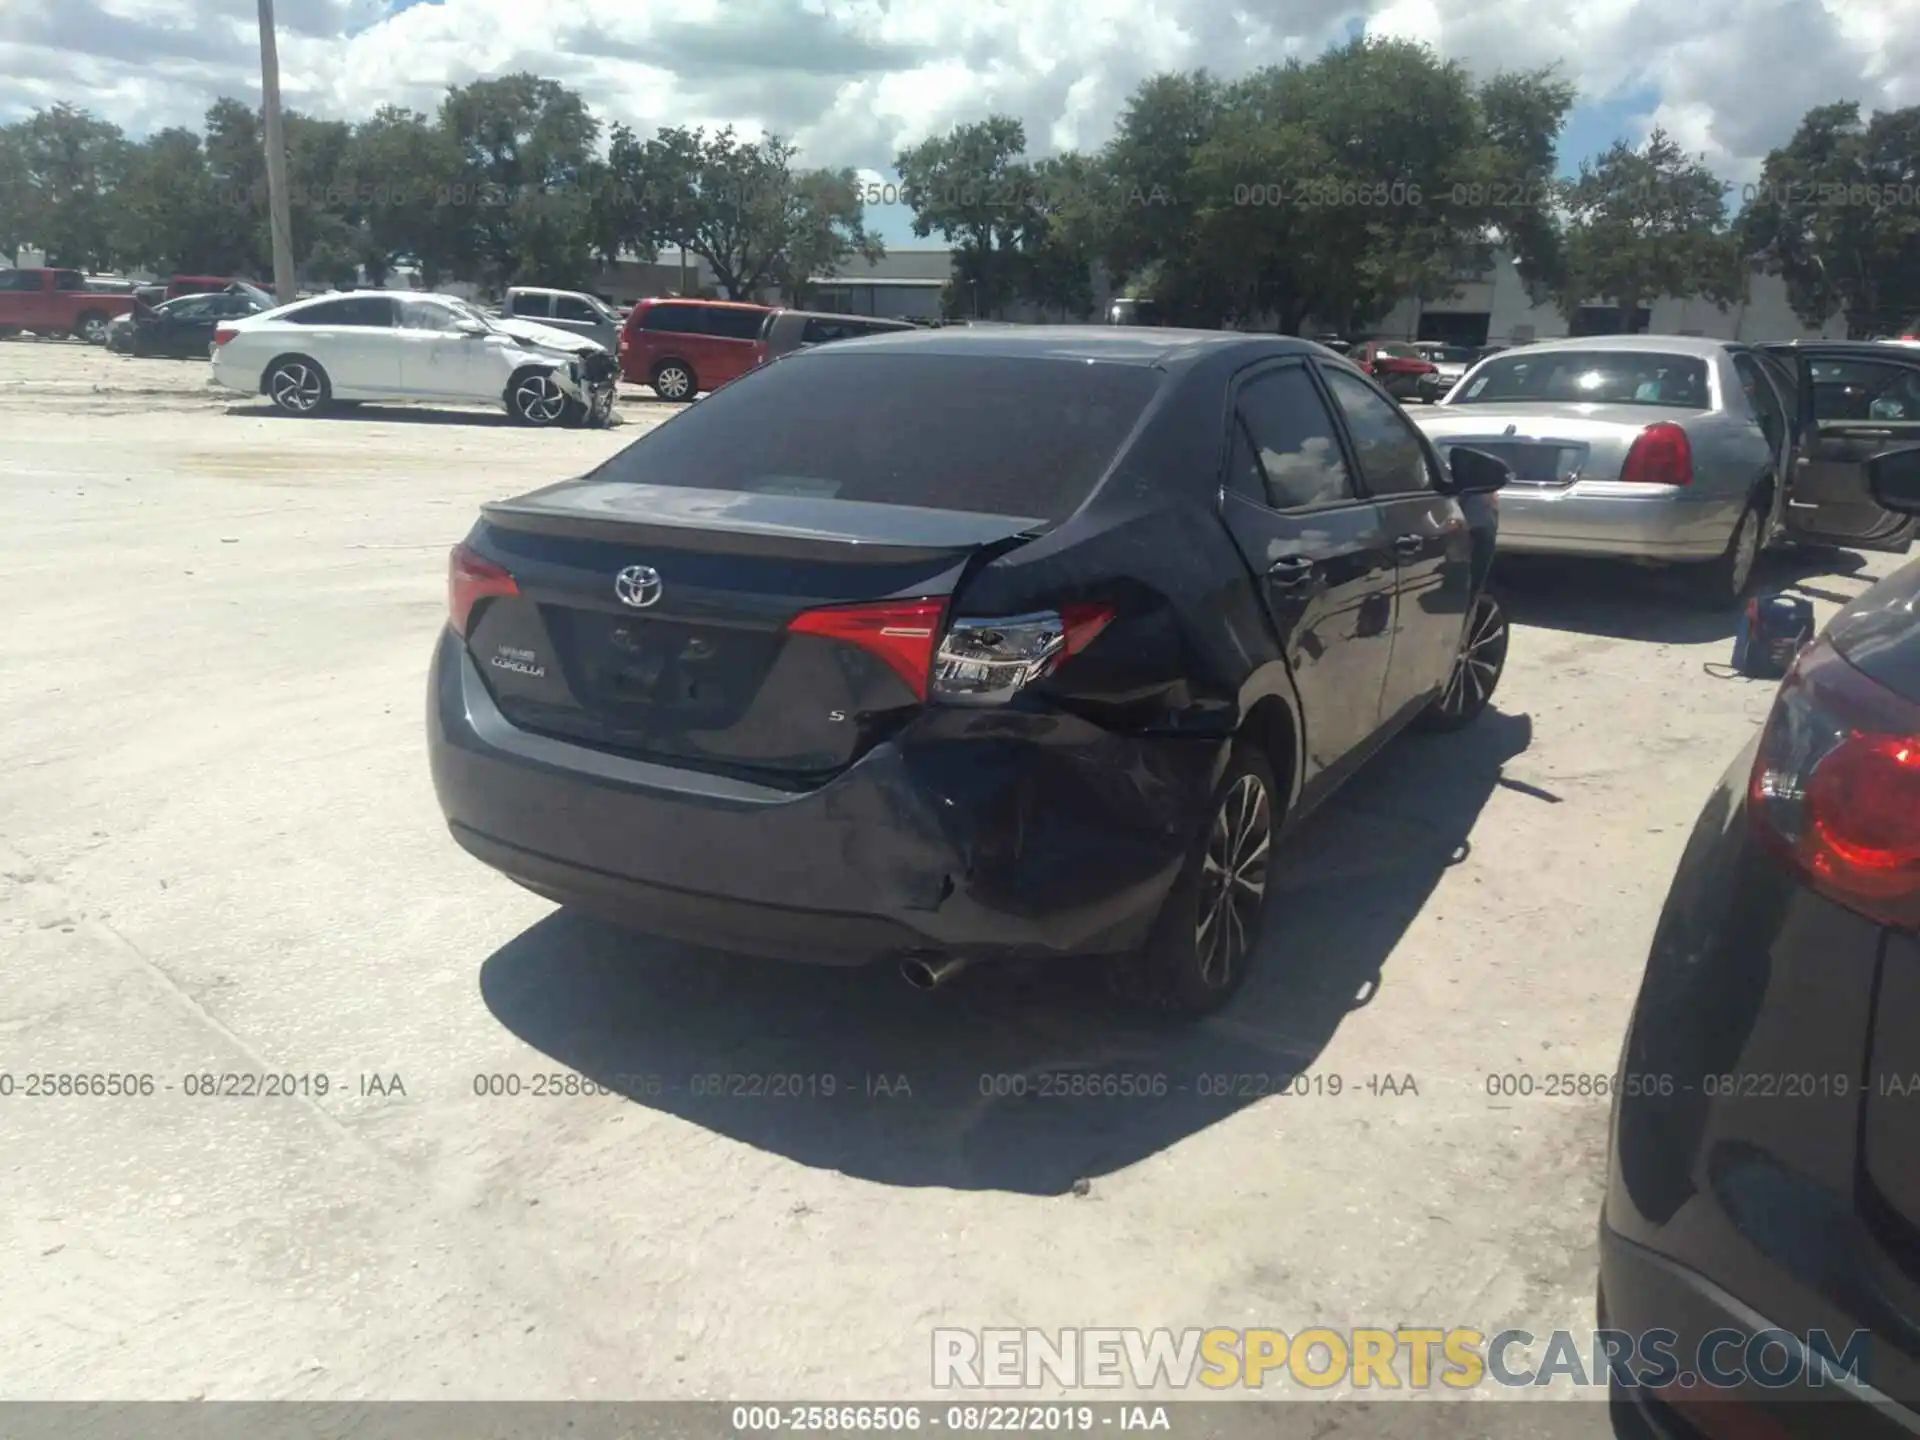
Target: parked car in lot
(183,329)
(388,345)
(684,347)
(1449,362)
(56,304)
(1401,369)
(572,310)
(965,644)
(1670,449)
(787,330)
(178,285)
(1764,1165)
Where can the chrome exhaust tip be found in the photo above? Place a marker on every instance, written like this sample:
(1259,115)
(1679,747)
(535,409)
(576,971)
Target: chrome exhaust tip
(930,972)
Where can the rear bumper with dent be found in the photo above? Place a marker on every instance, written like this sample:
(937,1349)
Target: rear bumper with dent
(1616,519)
(1036,836)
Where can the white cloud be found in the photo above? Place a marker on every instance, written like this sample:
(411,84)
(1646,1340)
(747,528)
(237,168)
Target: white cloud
(853,81)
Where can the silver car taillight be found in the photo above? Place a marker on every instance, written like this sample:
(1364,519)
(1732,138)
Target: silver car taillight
(988,662)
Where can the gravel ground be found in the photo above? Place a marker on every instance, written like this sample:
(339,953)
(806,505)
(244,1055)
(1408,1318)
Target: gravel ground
(221,854)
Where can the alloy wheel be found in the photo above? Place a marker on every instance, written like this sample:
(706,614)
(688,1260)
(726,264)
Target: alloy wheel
(93,330)
(296,387)
(539,399)
(1233,881)
(672,383)
(1477,666)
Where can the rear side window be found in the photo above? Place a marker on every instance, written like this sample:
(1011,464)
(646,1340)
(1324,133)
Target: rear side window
(735,324)
(527,305)
(1385,442)
(818,332)
(1295,443)
(374,311)
(69,280)
(990,434)
(679,319)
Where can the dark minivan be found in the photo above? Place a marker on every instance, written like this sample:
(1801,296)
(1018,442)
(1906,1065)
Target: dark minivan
(788,330)
(965,644)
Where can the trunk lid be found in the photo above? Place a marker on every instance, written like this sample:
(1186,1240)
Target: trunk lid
(1548,444)
(688,658)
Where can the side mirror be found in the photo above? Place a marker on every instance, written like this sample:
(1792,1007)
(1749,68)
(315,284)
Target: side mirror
(1894,476)
(1475,472)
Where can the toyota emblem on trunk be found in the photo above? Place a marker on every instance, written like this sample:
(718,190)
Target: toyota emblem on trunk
(638,586)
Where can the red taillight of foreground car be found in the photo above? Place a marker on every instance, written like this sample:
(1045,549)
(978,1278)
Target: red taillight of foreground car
(1835,787)
(470,580)
(223,334)
(1663,455)
(904,633)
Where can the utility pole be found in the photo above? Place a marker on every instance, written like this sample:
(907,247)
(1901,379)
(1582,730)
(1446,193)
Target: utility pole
(278,208)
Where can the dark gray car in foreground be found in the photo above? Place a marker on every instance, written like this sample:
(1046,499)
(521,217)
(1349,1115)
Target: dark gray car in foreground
(965,644)
(1763,1200)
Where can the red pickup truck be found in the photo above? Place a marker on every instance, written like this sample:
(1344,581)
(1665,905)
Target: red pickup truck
(57,303)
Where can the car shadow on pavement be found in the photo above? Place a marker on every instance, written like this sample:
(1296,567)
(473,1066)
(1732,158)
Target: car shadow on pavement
(1024,1080)
(1626,602)
(386,414)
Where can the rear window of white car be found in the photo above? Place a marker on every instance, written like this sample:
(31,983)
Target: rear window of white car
(1590,377)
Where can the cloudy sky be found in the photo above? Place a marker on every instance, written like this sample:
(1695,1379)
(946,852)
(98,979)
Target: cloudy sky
(852,81)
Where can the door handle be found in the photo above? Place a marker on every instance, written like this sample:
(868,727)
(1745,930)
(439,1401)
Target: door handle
(1292,571)
(1409,547)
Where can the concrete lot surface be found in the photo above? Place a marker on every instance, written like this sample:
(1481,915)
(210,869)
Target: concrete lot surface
(221,856)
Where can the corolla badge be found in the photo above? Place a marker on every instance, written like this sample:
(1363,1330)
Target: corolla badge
(638,586)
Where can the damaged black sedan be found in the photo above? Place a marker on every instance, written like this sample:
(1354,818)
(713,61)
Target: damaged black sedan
(965,645)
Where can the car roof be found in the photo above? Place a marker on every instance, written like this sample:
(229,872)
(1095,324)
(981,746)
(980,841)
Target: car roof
(835,315)
(691,300)
(1702,346)
(1112,344)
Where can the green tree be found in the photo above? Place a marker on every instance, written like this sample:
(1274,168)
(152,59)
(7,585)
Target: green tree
(16,191)
(165,210)
(72,165)
(238,240)
(404,173)
(974,187)
(1375,173)
(527,153)
(1834,214)
(824,227)
(1648,222)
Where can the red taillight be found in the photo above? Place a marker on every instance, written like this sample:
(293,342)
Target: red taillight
(1663,455)
(469,581)
(904,633)
(1083,623)
(224,334)
(1835,787)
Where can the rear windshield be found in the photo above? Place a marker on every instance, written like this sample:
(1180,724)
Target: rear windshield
(989,434)
(1590,377)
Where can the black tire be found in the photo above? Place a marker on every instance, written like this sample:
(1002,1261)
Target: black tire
(298,386)
(1477,667)
(535,398)
(1200,949)
(92,328)
(1722,583)
(674,380)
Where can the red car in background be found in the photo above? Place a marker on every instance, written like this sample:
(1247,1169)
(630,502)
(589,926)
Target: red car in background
(1399,368)
(684,347)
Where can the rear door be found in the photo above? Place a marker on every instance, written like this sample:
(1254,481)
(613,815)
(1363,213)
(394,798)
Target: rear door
(1432,546)
(185,328)
(730,345)
(353,338)
(1852,407)
(1320,555)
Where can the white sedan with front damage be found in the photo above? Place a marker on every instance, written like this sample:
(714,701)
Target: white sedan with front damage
(1664,449)
(382,345)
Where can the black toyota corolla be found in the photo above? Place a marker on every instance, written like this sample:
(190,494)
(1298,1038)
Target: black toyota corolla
(965,645)
(1763,1202)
